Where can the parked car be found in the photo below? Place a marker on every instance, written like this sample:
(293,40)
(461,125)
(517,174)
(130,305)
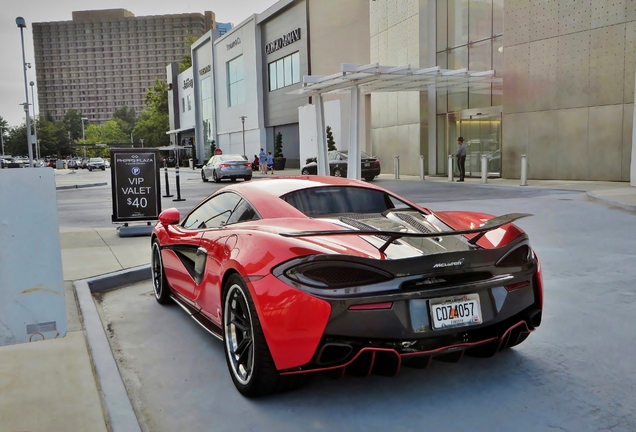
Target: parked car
(338,160)
(96,163)
(300,275)
(230,166)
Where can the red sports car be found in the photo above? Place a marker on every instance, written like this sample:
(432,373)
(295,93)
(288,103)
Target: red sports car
(306,274)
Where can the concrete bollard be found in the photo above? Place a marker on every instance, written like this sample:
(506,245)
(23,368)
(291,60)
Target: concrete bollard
(450,168)
(484,169)
(396,167)
(524,170)
(422,172)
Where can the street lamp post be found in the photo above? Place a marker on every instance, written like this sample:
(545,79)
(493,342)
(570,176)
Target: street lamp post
(142,143)
(243,122)
(22,25)
(2,138)
(84,136)
(35,125)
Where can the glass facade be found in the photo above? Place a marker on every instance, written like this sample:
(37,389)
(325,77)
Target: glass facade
(235,82)
(469,35)
(284,72)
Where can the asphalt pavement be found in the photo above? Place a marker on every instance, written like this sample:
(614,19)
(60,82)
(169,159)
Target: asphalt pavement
(72,383)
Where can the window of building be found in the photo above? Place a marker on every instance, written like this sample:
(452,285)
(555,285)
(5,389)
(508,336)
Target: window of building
(236,82)
(189,98)
(284,72)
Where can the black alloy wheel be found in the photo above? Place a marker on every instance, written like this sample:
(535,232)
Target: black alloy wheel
(337,172)
(159,281)
(305,171)
(248,358)
(214,176)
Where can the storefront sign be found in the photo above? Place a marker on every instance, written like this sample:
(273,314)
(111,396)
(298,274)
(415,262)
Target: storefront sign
(289,38)
(234,43)
(136,187)
(205,70)
(188,83)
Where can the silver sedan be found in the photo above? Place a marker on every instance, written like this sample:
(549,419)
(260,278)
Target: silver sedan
(230,166)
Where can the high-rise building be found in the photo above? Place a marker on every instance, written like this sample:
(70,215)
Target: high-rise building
(105,59)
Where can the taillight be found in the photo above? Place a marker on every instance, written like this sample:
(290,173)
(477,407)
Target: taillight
(225,165)
(516,286)
(517,257)
(333,275)
(247,165)
(376,163)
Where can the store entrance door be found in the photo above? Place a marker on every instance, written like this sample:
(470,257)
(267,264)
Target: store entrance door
(481,129)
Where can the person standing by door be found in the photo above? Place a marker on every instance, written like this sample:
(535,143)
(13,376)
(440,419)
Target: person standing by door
(461,158)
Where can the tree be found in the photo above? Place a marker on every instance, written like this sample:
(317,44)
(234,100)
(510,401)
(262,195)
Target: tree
(278,146)
(186,61)
(153,123)
(73,122)
(331,143)
(126,118)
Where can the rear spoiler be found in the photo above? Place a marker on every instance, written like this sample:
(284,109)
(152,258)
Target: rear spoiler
(490,225)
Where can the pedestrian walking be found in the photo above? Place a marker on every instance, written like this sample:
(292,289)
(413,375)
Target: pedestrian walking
(461,158)
(270,162)
(262,158)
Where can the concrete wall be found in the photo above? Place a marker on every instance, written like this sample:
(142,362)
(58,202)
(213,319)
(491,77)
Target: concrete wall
(339,34)
(395,117)
(568,88)
(187,118)
(240,41)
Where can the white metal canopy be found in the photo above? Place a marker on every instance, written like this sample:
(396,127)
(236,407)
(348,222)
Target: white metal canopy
(362,79)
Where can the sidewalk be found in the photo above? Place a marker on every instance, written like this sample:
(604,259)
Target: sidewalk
(52,385)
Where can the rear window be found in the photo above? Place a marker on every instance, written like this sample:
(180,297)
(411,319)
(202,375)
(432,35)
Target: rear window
(331,200)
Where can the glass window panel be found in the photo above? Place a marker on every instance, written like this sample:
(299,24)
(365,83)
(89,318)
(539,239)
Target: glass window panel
(458,58)
(441,94)
(498,66)
(479,56)
(280,74)
(442,152)
(296,67)
(288,70)
(272,77)
(498,17)
(480,19)
(457,23)
(442,25)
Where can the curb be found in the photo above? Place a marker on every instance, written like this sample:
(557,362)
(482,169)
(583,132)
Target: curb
(596,197)
(80,186)
(119,410)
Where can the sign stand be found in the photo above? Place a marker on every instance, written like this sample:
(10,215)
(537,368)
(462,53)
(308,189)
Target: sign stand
(136,190)
(126,230)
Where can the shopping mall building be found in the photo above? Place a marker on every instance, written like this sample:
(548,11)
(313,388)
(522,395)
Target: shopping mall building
(562,92)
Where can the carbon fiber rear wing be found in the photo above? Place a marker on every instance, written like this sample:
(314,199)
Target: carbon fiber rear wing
(490,225)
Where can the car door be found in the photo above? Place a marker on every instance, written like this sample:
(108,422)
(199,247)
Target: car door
(207,169)
(212,249)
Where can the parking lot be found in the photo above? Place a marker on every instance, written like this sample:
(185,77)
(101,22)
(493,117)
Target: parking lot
(574,373)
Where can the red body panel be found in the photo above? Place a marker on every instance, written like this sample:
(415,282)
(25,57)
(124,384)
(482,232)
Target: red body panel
(293,321)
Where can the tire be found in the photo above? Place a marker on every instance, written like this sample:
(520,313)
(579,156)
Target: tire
(370,178)
(216,179)
(103,168)
(253,371)
(248,178)
(233,179)
(90,169)
(159,282)
(203,177)
(306,172)
(337,172)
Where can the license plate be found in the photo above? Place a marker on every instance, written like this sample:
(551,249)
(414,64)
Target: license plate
(366,164)
(456,311)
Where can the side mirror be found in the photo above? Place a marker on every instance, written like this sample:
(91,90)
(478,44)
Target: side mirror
(170,216)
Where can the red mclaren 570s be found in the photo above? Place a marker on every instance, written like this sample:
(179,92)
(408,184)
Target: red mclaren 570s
(306,274)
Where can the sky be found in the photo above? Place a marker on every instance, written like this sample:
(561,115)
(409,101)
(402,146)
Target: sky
(12,92)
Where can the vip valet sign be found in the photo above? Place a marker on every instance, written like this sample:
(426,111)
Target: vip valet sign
(136,185)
